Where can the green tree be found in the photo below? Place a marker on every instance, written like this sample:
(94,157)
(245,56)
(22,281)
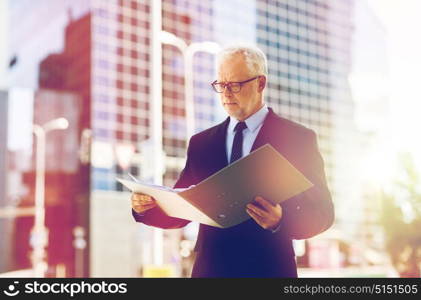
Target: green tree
(401,219)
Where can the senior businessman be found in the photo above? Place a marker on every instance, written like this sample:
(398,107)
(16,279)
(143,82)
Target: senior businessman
(262,245)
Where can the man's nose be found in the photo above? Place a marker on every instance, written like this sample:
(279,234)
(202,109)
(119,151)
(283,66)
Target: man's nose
(227,91)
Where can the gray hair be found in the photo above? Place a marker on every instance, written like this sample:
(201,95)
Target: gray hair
(255,58)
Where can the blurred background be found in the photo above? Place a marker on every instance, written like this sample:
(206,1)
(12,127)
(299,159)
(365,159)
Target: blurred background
(94,89)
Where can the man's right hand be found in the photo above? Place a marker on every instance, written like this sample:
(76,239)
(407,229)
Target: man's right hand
(141,202)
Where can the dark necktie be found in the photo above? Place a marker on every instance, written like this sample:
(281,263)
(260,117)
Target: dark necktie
(237,145)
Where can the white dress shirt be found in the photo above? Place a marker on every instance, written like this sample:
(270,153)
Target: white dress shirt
(254,124)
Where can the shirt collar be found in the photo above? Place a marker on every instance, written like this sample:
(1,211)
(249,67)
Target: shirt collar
(253,122)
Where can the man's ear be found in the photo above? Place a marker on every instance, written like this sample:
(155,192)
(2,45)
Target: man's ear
(262,83)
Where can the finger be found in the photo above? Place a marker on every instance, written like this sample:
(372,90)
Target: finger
(142,202)
(258,211)
(138,203)
(145,205)
(265,203)
(255,217)
(140,208)
(141,197)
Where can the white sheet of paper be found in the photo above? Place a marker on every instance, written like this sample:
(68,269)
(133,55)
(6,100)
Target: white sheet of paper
(170,202)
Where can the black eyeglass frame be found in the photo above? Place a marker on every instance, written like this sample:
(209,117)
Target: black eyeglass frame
(229,84)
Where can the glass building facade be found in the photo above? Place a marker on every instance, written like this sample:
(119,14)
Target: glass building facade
(308,45)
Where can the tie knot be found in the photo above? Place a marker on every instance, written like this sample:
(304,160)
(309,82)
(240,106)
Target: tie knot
(240,126)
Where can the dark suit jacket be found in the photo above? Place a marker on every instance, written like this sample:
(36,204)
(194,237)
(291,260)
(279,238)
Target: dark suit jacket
(248,250)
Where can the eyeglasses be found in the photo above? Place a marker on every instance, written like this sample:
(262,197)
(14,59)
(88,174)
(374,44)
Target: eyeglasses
(233,87)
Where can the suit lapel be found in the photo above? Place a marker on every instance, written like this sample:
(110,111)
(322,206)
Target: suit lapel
(220,154)
(214,157)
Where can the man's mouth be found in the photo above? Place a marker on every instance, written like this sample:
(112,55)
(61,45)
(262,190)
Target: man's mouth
(230,103)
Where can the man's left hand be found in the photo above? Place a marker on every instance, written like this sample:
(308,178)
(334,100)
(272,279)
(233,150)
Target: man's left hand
(267,215)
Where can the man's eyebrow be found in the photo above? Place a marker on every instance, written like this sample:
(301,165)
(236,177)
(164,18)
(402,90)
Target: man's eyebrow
(228,80)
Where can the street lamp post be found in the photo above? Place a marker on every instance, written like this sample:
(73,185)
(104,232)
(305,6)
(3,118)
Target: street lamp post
(156,116)
(79,243)
(188,52)
(156,94)
(39,234)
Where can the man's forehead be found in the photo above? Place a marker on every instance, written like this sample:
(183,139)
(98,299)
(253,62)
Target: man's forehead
(233,67)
